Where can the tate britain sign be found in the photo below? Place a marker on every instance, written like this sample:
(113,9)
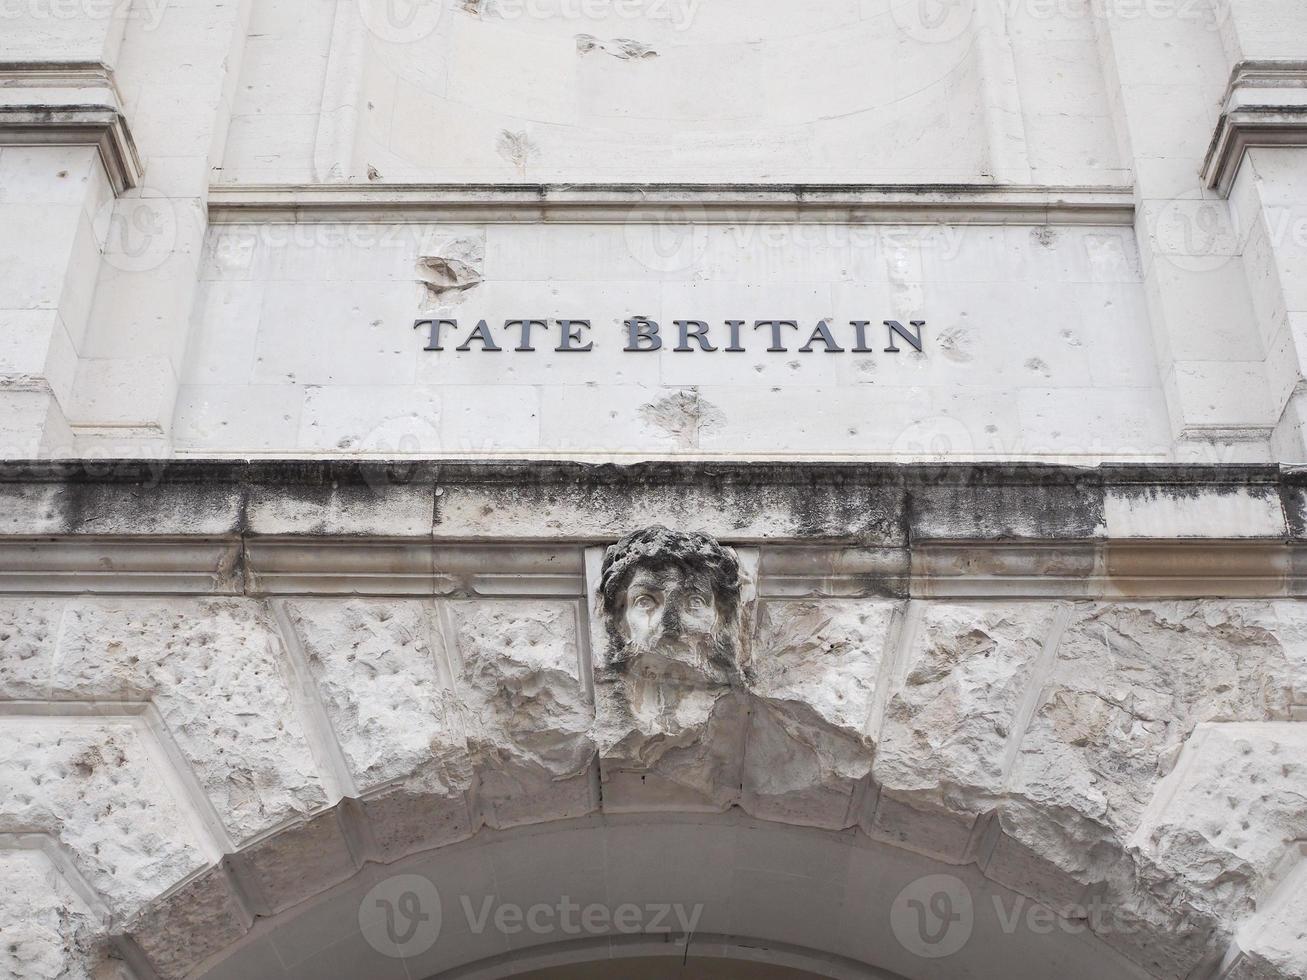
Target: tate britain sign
(644,335)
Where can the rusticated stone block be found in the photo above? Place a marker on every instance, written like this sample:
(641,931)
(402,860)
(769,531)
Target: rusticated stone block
(816,671)
(183,929)
(214,669)
(525,707)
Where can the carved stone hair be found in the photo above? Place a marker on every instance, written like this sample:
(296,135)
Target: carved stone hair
(656,546)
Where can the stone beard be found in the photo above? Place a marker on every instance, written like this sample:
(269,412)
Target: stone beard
(671,601)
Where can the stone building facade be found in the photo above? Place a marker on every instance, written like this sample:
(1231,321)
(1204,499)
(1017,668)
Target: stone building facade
(595,488)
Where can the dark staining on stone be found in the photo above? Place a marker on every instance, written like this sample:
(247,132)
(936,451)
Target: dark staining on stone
(872,504)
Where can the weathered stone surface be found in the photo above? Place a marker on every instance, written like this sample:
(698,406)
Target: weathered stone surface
(1128,687)
(296,863)
(723,501)
(954,717)
(816,669)
(525,707)
(380,679)
(1131,765)
(1271,943)
(106,508)
(215,671)
(1233,809)
(95,787)
(46,930)
(672,673)
(382,508)
(191,924)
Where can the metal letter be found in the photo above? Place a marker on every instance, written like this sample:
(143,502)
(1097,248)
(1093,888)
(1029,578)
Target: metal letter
(525,326)
(696,329)
(897,328)
(433,339)
(481,333)
(861,327)
(823,333)
(572,335)
(642,334)
(776,345)
(735,326)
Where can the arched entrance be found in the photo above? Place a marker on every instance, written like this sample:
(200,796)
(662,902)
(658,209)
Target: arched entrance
(670,895)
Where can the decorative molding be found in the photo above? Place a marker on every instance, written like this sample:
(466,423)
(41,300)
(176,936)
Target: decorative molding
(69,104)
(120,565)
(427,528)
(1265,105)
(318,566)
(342,566)
(663,203)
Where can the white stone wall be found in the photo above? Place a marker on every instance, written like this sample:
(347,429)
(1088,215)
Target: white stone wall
(1081,154)
(1036,342)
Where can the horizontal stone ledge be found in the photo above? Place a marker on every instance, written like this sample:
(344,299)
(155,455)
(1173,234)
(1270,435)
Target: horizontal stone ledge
(663,203)
(69,104)
(867,505)
(1265,105)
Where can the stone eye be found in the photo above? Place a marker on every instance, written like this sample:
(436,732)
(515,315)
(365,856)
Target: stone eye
(644,602)
(698,602)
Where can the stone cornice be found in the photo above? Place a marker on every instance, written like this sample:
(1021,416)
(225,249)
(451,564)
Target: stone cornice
(661,203)
(1265,105)
(522,529)
(68,104)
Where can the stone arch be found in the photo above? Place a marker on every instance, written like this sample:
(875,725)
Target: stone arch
(690,884)
(1089,754)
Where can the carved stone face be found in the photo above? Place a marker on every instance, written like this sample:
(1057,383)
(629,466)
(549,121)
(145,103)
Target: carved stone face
(671,602)
(668,604)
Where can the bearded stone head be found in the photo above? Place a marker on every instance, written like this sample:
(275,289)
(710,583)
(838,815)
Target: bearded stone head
(672,596)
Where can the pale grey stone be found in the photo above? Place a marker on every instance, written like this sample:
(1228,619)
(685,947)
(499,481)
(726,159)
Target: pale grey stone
(95,787)
(816,671)
(525,707)
(215,670)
